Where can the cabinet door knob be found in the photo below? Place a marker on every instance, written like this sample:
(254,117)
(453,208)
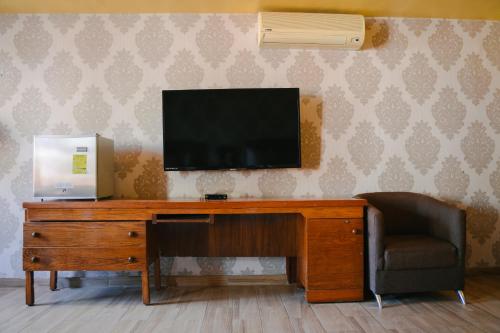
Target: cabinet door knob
(132,234)
(347,221)
(35,234)
(131,259)
(355,231)
(34,259)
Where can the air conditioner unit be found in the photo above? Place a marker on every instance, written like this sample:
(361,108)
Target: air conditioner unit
(341,31)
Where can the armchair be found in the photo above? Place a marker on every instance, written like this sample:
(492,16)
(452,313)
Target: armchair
(415,243)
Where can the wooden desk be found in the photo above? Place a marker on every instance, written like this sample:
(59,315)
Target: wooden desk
(321,239)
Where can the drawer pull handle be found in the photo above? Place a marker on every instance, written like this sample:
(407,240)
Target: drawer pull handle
(355,231)
(131,259)
(34,259)
(132,234)
(35,234)
(347,221)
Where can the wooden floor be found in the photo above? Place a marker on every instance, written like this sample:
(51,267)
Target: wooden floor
(246,309)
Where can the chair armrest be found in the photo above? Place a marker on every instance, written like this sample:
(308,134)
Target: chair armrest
(375,233)
(448,222)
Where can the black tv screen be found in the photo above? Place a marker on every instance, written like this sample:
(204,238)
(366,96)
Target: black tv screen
(211,129)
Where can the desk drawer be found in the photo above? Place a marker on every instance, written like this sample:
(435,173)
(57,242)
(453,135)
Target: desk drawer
(335,232)
(75,258)
(84,234)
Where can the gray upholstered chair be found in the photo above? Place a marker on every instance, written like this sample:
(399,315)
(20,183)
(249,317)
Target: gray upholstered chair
(415,243)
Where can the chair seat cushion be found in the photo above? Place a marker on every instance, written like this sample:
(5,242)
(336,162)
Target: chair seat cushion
(406,252)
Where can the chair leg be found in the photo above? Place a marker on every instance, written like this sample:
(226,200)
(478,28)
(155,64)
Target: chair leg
(461,296)
(379,301)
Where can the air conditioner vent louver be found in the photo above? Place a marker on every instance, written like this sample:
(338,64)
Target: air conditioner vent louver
(278,29)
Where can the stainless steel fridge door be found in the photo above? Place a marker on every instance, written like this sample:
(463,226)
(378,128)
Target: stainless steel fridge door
(64,167)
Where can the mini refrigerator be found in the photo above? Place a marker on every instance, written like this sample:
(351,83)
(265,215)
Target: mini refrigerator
(72,167)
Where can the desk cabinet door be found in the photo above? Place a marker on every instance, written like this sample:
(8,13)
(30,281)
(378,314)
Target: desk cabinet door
(335,253)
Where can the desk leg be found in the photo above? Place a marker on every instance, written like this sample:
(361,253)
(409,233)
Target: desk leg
(30,290)
(157,273)
(156,255)
(145,287)
(291,269)
(53,280)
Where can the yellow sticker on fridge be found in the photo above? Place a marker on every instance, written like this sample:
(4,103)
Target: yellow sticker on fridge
(79,164)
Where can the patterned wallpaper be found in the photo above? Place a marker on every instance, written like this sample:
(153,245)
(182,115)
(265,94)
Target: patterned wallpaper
(418,110)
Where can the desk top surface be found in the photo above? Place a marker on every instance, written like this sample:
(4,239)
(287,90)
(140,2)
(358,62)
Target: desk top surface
(195,203)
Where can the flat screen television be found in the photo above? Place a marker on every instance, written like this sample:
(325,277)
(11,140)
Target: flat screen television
(209,129)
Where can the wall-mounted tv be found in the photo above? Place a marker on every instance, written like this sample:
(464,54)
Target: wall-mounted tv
(209,129)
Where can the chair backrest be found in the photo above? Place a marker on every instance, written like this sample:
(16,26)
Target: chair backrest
(402,211)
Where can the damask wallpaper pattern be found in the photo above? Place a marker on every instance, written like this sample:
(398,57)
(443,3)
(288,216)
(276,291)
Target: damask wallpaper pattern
(418,109)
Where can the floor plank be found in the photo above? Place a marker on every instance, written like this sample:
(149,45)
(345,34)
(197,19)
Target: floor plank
(257,309)
(192,307)
(331,319)
(246,315)
(272,312)
(300,313)
(219,311)
(360,317)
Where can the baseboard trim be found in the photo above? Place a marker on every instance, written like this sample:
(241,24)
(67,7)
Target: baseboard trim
(224,280)
(11,282)
(174,280)
(482,270)
(187,280)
